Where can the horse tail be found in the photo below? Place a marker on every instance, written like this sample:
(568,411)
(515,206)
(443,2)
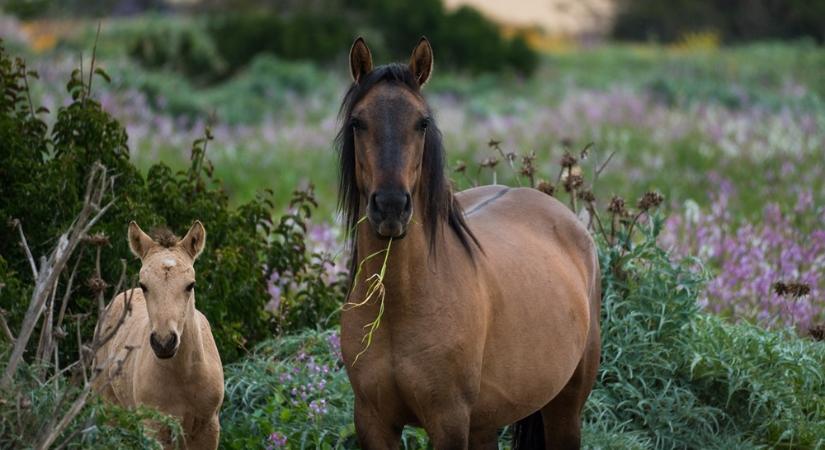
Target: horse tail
(528,433)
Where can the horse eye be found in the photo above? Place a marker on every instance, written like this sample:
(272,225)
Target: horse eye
(423,124)
(190,286)
(143,288)
(357,124)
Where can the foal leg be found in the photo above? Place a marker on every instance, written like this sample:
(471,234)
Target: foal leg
(374,433)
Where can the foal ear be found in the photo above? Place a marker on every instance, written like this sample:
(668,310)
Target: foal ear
(139,242)
(194,240)
(360,59)
(421,61)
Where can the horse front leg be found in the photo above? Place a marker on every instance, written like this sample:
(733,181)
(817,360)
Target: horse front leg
(373,430)
(448,428)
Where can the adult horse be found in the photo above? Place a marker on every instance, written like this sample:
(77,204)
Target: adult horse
(491,313)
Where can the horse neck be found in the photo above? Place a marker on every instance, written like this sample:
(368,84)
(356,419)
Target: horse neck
(407,254)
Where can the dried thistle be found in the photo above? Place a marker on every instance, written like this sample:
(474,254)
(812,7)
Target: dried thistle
(568,160)
(573,182)
(818,332)
(97,284)
(528,169)
(587,195)
(617,206)
(546,187)
(795,290)
(490,162)
(493,143)
(650,200)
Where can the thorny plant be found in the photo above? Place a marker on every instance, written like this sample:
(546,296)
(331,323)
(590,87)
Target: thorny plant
(581,199)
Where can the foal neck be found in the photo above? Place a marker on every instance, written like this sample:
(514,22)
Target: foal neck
(191,352)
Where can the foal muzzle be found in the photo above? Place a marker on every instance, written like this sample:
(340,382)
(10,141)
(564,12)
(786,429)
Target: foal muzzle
(164,348)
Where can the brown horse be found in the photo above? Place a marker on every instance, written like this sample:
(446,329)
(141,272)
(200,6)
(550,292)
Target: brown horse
(492,294)
(175,366)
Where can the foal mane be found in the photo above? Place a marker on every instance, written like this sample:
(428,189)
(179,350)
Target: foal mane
(439,203)
(164,237)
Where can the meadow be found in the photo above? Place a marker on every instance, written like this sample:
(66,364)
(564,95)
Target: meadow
(703,345)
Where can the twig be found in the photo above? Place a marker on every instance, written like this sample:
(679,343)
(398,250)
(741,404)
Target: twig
(5,326)
(25,246)
(602,167)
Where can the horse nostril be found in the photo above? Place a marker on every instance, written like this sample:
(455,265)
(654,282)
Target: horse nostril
(408,204)
(392,203)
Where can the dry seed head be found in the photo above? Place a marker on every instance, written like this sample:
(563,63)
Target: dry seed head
(791,289)
(489,162)
(587,195)
(97,284)
(573,182)
(546,187)
(460,167)
(568,160)
(818,332)
(650,200)
(617,206)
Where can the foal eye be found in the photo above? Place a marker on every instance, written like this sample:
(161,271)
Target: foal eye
(190,286)
(143,288)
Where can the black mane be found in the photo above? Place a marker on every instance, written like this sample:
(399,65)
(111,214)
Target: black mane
(439,204)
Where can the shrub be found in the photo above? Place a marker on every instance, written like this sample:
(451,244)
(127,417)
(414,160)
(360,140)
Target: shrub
(738,20)
(43,178)
(29,402)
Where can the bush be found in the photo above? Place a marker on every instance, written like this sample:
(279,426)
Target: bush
(42,179)
(308,36)
(736,21)
(28,403)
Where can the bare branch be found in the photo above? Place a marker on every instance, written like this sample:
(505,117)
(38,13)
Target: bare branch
(52,267)
(25,246)
(5,326)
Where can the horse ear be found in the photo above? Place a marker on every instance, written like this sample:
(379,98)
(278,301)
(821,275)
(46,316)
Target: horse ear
(139,242)
(360,59)
(195,240)
(421,61)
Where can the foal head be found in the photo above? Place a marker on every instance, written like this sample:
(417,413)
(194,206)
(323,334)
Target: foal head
(167,279)
(392,160)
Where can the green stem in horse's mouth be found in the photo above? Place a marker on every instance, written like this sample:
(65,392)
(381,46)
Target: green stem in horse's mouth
(375,289)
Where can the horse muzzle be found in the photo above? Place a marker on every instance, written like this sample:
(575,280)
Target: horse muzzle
(389,213)
(164,348)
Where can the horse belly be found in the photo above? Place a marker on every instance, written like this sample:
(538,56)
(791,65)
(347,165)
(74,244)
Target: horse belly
(536,337)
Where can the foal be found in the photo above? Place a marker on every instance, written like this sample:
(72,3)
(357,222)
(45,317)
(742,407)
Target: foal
(175,366)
